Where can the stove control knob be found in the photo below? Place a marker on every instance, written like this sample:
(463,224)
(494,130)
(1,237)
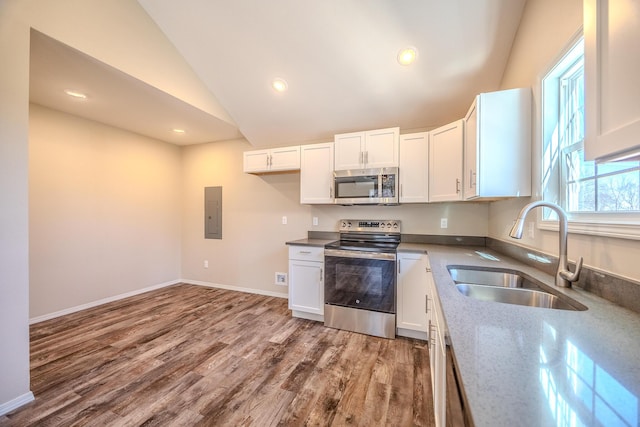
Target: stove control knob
(349,224)
(357,301)
(388,225)
(344,224)
(395,225)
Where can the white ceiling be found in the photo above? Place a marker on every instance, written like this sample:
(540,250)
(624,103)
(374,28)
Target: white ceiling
(338,57)
(115,98)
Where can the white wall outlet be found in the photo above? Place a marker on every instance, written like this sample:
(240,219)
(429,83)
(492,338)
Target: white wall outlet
(444,223)
(315,220)
(532,230)
(284,220)
(281,279)
(206,263)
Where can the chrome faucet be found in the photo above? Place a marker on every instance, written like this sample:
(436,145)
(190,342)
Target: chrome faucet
(564,277)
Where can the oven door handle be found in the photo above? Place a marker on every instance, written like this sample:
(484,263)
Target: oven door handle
(357,254)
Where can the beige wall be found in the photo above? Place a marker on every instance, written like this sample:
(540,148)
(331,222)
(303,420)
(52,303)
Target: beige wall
(547,27)
(104,211)
(253,245)
(14,226)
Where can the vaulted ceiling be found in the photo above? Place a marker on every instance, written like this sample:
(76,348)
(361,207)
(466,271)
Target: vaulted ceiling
(339,59)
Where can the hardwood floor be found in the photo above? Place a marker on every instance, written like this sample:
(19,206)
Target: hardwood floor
(188,355)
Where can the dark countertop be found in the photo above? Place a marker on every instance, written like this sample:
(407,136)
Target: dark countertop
(311,242)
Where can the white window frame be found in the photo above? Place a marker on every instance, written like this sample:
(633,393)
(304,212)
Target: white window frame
(625,225)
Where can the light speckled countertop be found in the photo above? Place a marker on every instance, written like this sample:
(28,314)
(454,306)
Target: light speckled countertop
(527,366)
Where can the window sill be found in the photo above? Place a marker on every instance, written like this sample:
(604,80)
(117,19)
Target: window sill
(619,230)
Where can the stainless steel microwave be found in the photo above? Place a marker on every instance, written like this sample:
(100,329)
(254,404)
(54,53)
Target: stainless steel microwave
(366,186)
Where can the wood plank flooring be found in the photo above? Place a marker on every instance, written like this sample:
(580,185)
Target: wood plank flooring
(188,355)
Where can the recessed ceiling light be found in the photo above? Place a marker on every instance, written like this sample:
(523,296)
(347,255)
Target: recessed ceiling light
(407,56)
(180,131)
(75,94)
(279,85)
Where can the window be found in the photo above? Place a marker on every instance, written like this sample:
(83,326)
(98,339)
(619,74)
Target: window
(590,192)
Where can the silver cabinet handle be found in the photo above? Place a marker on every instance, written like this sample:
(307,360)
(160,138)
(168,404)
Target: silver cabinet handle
(304,252)
(331,192)
(321,276)
(399,269)
(457,185)
(400,190)
(426,304)
(366,157)
(432,338)
(427,269)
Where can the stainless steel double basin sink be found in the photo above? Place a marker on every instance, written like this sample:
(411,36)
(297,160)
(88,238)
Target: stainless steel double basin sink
(510,287)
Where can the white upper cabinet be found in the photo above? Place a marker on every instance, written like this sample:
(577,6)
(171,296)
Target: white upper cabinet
(272,160)
(445,162)
(497,145)
(316,173)
(612,85)
(414,167)
(369,149)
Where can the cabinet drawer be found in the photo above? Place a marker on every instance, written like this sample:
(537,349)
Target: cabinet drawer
(306,253)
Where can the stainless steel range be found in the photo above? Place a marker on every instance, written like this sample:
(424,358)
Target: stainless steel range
(360,277)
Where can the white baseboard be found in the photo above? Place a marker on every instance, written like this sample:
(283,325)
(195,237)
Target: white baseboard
(100,302)
(236,288)
(151,288)
(9,406)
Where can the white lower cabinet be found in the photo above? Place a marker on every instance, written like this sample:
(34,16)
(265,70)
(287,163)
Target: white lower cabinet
(306,282)
(413,277)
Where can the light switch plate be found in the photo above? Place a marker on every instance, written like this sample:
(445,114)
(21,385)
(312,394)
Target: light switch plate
(444,223)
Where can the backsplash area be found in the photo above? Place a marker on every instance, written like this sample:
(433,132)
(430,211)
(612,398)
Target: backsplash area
(620,291)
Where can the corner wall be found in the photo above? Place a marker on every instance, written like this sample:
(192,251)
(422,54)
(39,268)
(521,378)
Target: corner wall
(546,29)
(253,246)
(14,210)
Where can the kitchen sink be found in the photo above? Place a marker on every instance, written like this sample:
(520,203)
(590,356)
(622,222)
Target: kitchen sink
(504,278)
(509,287)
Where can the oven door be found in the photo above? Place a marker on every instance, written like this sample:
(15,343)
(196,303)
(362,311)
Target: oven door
(363,280)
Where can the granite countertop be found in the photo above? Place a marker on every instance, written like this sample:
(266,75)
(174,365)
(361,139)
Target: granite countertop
(533,366)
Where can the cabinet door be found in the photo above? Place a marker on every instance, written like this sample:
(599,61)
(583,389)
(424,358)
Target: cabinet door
(349,151)
(412,292)
(306,286)
(256,161)
(285,158)
(381,148)
(471,152)
(497,145)
(440,393)
(316,173)
(445,163)
(612,86)
(414,167)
